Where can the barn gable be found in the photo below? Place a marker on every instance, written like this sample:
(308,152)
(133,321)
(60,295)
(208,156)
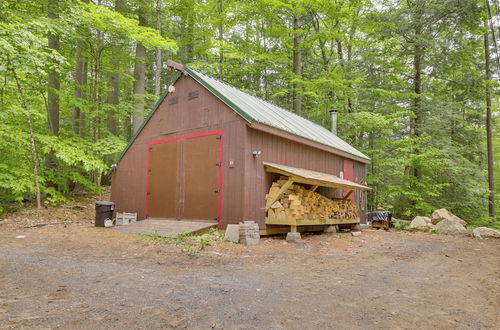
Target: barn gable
(255,110)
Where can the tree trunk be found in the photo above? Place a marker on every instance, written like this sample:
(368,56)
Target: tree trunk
(79,71)
(158,60)
(114,81)
(139,79)
(297,65)
(53,76)
(489,128)
(221,38)
(34,153)
(417,102)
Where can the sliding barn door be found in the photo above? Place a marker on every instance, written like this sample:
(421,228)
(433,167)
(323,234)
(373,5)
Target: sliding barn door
(184,178)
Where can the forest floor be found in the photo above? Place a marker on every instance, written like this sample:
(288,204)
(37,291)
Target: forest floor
(68,274)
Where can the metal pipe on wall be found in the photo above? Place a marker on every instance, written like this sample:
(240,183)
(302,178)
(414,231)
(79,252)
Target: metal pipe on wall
(334,115)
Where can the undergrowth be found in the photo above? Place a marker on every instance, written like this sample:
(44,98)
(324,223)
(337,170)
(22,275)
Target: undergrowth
(485,222)
(189,243)
(401,225)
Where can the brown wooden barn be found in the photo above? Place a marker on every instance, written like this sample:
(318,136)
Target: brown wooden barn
(209,151)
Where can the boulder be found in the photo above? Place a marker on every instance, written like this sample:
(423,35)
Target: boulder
(421,223)
(485,232)
(444,214)
(451,227)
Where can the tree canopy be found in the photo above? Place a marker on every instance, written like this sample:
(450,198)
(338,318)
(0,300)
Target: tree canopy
(408,79)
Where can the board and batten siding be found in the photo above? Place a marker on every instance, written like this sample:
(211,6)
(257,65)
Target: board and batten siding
(280,150)
(176,118)
(244,180)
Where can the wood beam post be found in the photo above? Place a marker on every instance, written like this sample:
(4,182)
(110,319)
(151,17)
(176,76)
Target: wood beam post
(285,186)
(348,194)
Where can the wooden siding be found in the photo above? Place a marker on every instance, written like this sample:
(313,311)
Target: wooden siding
(279,150)
(244,180)
(185,117)
(360,196)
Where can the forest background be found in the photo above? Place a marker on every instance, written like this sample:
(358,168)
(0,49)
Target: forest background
(415,84)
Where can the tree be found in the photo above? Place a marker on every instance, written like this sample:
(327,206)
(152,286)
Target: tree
(53,77)
(489,121)
(113,98)
(139,76)
(158,55)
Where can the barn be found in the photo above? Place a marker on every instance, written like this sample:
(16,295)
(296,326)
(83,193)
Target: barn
(211,152)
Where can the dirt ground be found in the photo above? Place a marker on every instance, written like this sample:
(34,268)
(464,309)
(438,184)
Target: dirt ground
(70,275)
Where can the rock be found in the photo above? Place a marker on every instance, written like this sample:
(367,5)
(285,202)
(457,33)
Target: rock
(452,227)
(330,229)
(485,232)
(421,223)
(232,233)
(443,214)
(356,233)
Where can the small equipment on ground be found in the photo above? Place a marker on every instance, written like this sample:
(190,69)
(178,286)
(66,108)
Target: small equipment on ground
(380,219)
(104,213)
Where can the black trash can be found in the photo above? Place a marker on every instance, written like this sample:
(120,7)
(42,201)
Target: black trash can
(103,210)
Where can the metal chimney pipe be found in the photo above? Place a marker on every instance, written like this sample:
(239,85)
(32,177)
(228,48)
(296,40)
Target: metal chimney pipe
(334,115)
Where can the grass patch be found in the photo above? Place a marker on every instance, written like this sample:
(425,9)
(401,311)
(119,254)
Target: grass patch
(188,243)
(485,222)
(401,225)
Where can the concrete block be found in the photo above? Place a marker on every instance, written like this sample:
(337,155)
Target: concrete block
(249,233)
(356,233)
(232,233)
(294,237)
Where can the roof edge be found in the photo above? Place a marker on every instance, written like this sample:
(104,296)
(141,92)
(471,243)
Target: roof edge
(224,99)
(146,120)
(300,139)
(252,122)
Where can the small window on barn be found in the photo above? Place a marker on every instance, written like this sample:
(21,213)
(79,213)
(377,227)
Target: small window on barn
(173,100)
(193,95)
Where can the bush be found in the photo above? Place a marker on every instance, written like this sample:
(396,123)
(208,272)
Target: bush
(401,225)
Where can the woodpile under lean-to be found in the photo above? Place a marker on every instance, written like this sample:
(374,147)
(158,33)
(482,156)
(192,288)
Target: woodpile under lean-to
(297,202)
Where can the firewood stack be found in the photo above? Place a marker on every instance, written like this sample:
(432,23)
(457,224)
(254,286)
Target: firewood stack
(298,202)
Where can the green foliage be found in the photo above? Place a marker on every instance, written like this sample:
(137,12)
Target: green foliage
(401,225)
(189,243)
(357,58)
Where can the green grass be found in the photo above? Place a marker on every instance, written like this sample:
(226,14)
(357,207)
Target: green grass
(484,222)
(401,225)
(188,243)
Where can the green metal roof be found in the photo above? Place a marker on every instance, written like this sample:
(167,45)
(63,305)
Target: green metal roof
(252,108)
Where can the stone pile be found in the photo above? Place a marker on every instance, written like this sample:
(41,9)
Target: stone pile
(442,220)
